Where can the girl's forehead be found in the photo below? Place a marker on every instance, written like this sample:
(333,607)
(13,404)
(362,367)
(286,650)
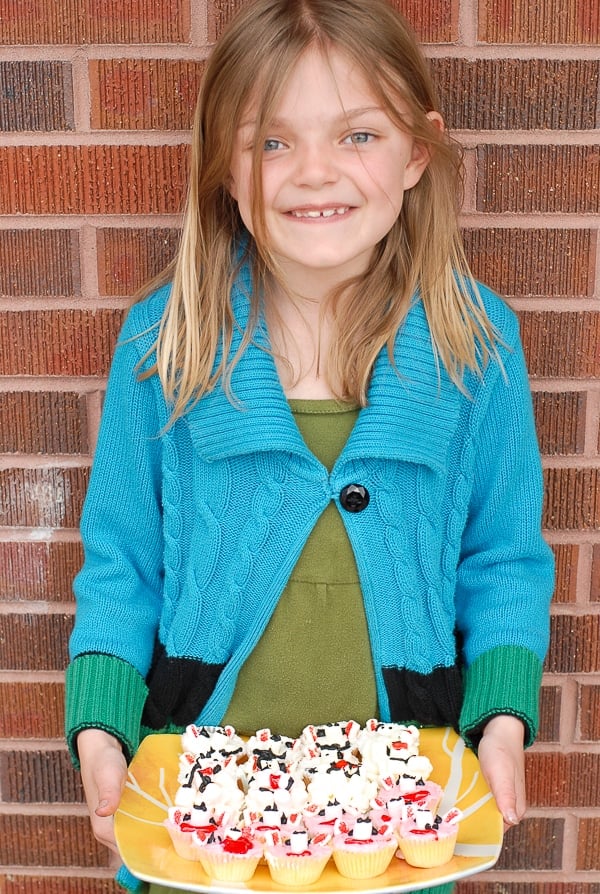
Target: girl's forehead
(318,82)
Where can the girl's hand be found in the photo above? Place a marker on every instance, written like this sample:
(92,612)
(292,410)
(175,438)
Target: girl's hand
(502,760)
(103,773)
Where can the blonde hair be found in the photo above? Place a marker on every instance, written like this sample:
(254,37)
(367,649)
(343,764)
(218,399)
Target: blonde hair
(422,252)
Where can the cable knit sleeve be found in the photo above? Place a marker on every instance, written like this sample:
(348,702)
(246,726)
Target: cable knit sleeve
(119,588)
(506,570)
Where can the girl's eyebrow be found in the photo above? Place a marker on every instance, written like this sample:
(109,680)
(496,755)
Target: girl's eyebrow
(343,118)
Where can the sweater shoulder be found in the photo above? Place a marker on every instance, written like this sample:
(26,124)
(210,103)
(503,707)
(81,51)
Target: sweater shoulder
(143,319)
(500,315)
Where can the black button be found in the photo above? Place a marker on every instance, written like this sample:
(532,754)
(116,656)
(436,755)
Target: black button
(354,497)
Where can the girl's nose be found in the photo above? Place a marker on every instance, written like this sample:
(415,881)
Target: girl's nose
(315,165)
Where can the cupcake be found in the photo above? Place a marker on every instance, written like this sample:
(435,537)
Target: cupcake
(297,862)
(233,859)
(183,826)
(427,840)
(363,852)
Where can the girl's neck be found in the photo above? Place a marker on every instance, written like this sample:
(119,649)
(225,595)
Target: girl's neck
(300,330)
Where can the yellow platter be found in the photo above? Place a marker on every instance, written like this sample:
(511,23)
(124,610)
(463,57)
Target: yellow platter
(147,851)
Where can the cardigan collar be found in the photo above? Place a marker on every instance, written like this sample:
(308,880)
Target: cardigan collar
(411,415)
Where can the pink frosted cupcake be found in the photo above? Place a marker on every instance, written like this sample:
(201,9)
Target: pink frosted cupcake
(183,825)
(363,852)
(427,840)
(297,862)
(233,859)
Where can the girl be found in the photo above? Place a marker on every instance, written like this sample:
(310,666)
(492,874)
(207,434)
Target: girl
(316,492)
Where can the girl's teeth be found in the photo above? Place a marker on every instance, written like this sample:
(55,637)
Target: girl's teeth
(329,212)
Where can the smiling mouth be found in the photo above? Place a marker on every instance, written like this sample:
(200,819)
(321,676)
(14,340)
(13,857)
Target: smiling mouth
(317,213)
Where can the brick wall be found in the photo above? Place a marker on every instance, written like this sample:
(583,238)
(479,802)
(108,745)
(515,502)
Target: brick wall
(95,104)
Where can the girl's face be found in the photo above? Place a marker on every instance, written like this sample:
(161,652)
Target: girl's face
(334,172)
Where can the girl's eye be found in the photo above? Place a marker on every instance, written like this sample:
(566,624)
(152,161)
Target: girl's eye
(271,145)
(359,138)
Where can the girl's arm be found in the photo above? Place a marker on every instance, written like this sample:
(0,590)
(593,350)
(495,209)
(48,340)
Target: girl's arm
(506,571)
(502,760)
(103,773)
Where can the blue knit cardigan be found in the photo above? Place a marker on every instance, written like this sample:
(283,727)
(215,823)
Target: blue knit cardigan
(191,533)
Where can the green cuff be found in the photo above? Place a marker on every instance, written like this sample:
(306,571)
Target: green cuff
(104,692)
(505,680)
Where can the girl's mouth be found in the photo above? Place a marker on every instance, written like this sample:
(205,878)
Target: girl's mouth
(316,213)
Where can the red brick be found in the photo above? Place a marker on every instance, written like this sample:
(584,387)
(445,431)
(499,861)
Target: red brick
(595,580)
(128,258)
(145,94)
(528,94)
(572,500)
(38,571)
(32,710)
(550,705)
(37,777)
(36,96)
(560,421)
(532,179)
(24,884)
(58,342)
(562,780)
(34,642)
(588,844)
(49,840)
(548,263)
(126,179)
(39,263)
(536,843)
(93,21)
(566,557)
(588,714)
(574,645)
(546,22)
(42,498)
(561,344)
(43,422)
(433,22)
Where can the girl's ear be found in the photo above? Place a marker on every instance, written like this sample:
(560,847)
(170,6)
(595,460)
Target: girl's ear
(421,154)
(231,187)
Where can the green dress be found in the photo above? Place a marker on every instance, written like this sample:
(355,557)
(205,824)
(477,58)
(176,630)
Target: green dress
(312,676)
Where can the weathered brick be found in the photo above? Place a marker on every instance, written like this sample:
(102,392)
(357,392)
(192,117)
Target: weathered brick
(46,884)
(572,499)
(550,706)
(58,342)
(588,713)
(434,22)
(562,780)
(39,263)
(42,498)
(518,94)
(127,258)
(560,421)
(93,21)
(588,844)
(546,22)
(536,843)
(43,422)
(32,710)
(566,557)
(34,642)
(545,179)
(561,344)
(36,96)
(574,645)
(96,179)
(595,580)
(49,840)
(38,571)
(548,263)
(39,777)
(146,94)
